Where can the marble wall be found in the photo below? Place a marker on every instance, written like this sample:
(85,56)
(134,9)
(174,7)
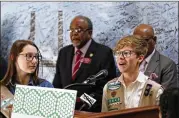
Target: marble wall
(111,20)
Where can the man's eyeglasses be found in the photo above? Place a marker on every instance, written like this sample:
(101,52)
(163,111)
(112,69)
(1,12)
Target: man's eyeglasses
(126,53)
(77,30)
(148,39)
(30,56)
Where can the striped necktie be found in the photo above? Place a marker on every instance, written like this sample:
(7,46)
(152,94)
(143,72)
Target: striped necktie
(77,63)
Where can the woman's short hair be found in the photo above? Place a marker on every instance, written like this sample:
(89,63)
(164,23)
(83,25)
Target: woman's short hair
(140,46)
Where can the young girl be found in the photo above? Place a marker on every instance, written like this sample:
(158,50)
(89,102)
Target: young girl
(23,66)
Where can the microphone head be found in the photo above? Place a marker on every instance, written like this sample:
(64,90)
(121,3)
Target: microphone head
(102,73)
(88,99)
(105,72)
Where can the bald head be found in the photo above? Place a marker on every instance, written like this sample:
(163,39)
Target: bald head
(144,31)
(84,19)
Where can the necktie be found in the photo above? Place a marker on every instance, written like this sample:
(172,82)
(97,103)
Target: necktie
(143,65)
(77,63)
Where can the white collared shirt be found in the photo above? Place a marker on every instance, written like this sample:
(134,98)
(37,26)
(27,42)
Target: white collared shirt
(133,92)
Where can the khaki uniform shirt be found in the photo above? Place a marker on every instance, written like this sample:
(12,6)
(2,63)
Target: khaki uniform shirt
(113,94)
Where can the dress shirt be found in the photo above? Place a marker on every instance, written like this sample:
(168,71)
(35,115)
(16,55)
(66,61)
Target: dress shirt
(147,59)
(83,50)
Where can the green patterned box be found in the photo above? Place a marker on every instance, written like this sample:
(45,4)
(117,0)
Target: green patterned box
(41,102)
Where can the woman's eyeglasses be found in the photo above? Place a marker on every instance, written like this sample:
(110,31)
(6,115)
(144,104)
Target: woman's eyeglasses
(126,53)
(30,56)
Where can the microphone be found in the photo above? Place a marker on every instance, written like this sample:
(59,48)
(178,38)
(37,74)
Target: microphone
(88,100)
(101,74)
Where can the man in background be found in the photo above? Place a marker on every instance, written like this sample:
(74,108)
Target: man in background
(83,58)
(160,68)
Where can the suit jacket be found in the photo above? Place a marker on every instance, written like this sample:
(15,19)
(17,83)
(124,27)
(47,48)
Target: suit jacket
(3,66)
(101,58)
(164,68)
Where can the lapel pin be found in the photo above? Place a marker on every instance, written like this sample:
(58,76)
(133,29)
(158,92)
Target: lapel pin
(91,55)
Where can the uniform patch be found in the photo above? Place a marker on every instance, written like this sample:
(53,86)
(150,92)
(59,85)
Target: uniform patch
(113,93)
(114,101)
(147,89)
(114,85)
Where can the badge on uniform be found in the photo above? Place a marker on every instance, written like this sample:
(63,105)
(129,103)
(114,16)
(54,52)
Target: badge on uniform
(114,101)
(113,93)
(147,90)
(114,85)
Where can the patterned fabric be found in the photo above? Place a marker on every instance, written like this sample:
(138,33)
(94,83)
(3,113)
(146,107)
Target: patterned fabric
(44,102)
(77,63)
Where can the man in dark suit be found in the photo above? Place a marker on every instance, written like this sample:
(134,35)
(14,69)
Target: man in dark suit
(3,67)
(93,57)
(159,67)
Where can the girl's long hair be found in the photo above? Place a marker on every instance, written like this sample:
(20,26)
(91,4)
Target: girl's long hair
(16,49)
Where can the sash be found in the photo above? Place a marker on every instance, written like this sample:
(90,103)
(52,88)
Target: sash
(6,99)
